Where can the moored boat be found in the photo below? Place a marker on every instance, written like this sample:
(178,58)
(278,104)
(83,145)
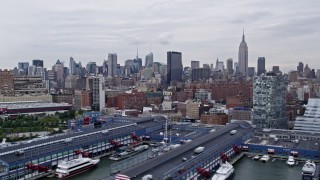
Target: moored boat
(308,170)
(73,167)
(256,157)
(265,158)
(129,152)
(290,161)
(225,171)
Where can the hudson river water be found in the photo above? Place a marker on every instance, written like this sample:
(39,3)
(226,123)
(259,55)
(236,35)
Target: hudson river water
(249,169)
(245,169)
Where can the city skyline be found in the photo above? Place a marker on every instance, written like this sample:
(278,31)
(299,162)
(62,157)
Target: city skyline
(200,30)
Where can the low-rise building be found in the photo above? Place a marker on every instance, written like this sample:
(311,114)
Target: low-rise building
(240,113)
(192,109)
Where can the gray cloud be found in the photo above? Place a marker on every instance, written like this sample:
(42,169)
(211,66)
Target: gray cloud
(283,31)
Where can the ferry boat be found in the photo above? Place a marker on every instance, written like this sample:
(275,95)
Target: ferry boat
(73,167)
(308,170)
(129,152)
(225,171)
(265,158)
(290,161)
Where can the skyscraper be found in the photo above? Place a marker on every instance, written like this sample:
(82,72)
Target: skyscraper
(91,67)
(112,64)
(58,69)
(230,66)
(236,68)
(251,71)
(195,64)
(174,66)
(261,65)
(243,57)
(318,75)
(300,67)
(23,65)
(37,63)
(269,101)
(276,69)
(149,60)
(23,68)
(72,66)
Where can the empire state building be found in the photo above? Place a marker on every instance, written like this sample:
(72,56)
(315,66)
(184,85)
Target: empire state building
(243,57)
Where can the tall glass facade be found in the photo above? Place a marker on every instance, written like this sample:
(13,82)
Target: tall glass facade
(269,92)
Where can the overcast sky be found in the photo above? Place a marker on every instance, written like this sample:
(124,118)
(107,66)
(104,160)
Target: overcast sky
(283,31)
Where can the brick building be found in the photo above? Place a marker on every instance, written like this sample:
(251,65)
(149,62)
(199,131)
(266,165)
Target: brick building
(221,90)
(135,100)
(82,99)
(6,83)
(219,118)
(62,98)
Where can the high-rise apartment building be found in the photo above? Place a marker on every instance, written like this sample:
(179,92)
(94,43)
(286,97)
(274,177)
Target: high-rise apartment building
(174,66)
(261,66)
(149,60)
(98,93)
(230,66)
(243,57)
(112,64)
(269,101)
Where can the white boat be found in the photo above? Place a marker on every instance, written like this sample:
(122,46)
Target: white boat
(223,172)
(127,153)
(265,158)
(256,157)
(147,177)
(290,161)
(73,167)
(309,169)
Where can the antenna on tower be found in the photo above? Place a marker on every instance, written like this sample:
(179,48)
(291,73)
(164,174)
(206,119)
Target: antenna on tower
(150,47)
(243,34)
(137,53)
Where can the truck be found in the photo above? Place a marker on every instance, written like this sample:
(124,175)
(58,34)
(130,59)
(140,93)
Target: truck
(233,132)
(198,150)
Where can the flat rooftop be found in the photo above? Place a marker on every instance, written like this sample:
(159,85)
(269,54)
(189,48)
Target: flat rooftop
(162,164)
(286,143)
(57,143)
(32,104)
